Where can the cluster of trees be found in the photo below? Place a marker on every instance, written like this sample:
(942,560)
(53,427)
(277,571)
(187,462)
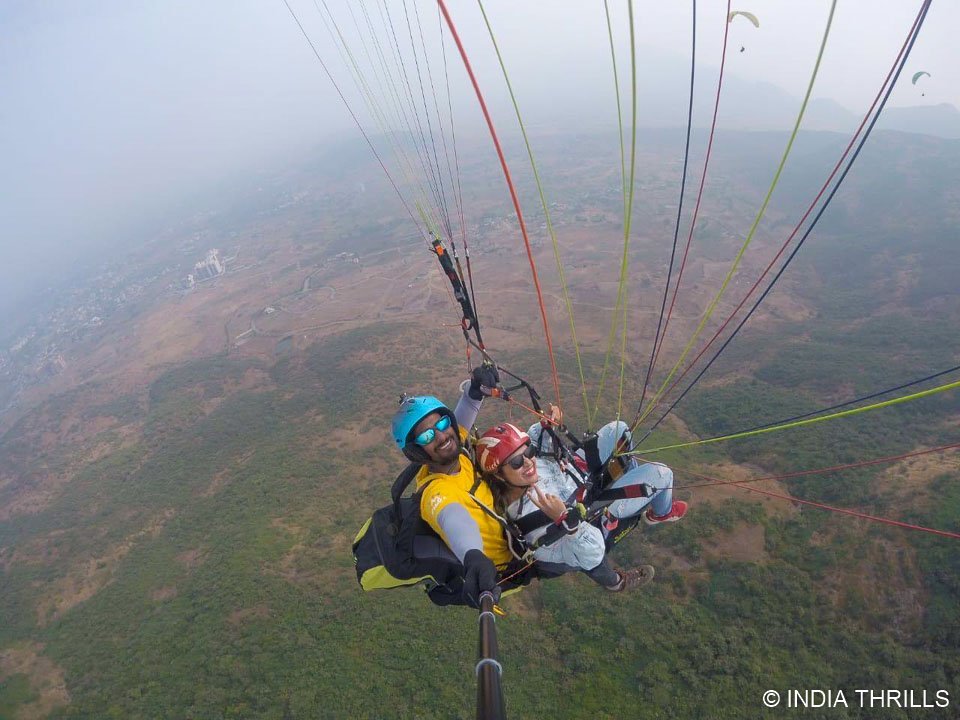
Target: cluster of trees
(245,603)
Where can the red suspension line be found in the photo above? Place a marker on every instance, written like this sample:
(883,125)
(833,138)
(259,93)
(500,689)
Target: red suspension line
(743,485)
(817,471)
(513,194)
(854,513)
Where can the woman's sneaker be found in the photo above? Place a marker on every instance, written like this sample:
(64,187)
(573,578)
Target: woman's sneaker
(633,578)
(678,510)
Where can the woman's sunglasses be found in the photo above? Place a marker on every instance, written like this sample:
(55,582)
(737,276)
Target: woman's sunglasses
(516,462)
(428,435)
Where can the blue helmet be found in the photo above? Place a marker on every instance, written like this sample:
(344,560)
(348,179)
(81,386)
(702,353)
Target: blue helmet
(413,410)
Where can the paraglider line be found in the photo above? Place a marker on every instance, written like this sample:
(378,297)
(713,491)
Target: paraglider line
(546,210)
(513,194)
(354,116)
(399,110)
(693,221)
(616,90)
(443,135)
(854,513)
(756,222)
(855,400)
(628,214)
(453,132)
(683,185)
(817,471)
(395,47)
(376,111)
(633,147)
(435,166)
(809,421)
(456,163)
(743,485)
(915,31)
(446,153)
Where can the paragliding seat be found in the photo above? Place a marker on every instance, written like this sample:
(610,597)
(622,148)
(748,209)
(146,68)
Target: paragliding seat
(397,548)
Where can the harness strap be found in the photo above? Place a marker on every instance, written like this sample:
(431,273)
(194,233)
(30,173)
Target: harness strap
(557,532)
(532,521)
(539,519)
(640,490)
(514,535)
(459,291)
(403,480)
(591,451)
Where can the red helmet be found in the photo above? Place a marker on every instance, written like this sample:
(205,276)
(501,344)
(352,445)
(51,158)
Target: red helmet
(497,444)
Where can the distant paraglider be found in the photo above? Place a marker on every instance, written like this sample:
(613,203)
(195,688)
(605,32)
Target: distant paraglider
(749,16)
(917,76)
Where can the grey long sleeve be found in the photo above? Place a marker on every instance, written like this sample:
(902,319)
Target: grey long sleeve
(467,408)
(459,530)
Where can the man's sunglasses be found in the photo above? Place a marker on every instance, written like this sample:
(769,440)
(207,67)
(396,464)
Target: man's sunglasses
(516,462)
(428,435)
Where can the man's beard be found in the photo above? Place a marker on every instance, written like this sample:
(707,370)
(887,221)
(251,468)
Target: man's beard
(446,457)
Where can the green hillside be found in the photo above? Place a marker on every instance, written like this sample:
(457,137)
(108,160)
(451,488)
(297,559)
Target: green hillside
(237,597)
(184,551)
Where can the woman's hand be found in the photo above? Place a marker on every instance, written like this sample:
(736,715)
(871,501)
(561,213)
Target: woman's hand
(555,419)
(552,506)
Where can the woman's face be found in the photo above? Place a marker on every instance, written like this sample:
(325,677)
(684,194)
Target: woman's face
(526,474)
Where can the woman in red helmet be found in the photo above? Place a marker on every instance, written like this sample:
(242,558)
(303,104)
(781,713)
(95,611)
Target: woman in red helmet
(524,483)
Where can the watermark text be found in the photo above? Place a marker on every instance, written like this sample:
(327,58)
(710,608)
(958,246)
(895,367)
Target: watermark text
(861,698)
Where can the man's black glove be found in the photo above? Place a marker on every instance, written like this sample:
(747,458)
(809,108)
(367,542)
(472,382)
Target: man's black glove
(479,574)
(483,379)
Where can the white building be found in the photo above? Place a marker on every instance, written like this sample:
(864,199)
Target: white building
(210,267)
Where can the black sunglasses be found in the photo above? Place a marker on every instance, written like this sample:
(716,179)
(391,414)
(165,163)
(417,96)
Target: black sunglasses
(516,462)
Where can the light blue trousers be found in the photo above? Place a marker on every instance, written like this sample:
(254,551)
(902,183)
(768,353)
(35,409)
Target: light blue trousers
(656,475)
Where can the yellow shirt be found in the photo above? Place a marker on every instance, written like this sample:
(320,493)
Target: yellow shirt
(447,489)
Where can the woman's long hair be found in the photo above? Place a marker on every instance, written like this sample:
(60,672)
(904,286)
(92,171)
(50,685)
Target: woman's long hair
(498,487)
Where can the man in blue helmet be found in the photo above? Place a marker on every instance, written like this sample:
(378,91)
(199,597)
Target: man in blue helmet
(453,503)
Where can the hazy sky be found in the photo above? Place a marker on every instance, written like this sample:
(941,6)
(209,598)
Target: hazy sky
(113,109)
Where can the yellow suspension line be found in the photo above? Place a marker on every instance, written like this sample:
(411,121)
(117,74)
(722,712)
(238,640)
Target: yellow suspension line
(628,215)
(546,211)
(623,182)
(808,421)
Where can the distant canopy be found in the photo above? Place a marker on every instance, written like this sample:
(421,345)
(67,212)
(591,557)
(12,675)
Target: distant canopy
(918,75)
(748,15)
